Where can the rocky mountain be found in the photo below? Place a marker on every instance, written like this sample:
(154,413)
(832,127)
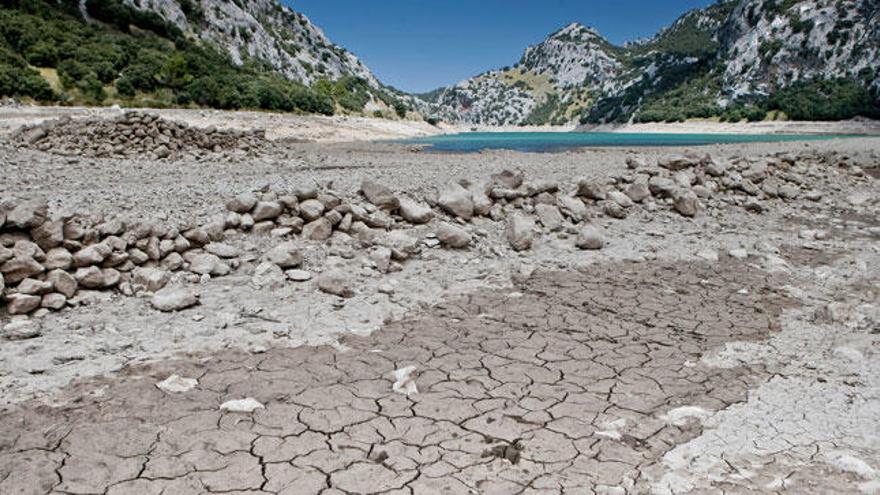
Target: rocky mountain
(733,59)
(263,30)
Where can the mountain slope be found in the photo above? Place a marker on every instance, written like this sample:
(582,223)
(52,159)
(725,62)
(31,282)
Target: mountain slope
(734,59)
(215,53)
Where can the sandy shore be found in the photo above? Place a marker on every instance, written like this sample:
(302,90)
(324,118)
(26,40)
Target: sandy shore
(735,349)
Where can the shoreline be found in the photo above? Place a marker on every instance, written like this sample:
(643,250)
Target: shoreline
(344,128)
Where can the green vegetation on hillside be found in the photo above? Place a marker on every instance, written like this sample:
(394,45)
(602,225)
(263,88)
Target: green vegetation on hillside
(135,57)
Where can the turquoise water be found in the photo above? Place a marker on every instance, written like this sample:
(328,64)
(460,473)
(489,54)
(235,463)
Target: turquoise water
(557,141)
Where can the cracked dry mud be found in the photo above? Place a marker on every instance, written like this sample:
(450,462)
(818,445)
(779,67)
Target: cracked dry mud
(577,382)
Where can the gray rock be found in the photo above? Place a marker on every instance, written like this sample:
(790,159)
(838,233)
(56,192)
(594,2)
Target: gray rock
(590,238)
(686,203)
(20,268)
(638,192)
(243,203)
(573,208)
(49,234)
(452,236)
(298,275)
(21,330)
(319,230)
(550,216)
(28,215)
(6,254)
(206,264)
(457,201)
(286,255)
(267,210)
(97,278)
(268,276)
(63,282)
(54,301)
(22,304)
(34,287)
(91,255)
(591,190)
(58,258)
(311,209)
(151,279)
(620,198)
(222,250)
(507,179)
(614,210)
(520,232)
(174,299)
(336,283)
(661,187)
(381,257)
(414,212)
(379,195)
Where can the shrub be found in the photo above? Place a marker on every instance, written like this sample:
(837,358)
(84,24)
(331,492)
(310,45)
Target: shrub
(825,99)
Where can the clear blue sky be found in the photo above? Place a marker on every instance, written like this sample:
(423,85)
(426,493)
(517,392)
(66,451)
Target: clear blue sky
(420,45)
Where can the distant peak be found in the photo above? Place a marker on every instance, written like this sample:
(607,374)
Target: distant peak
(576,32)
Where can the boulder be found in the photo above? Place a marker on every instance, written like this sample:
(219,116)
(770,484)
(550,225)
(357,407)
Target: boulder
(507,179)
(414,212)
(457,201)
(63,282)
(268,276)
(243,203)
(174,299)
(206,264)
(638,192)
(550,216)
(286,255)
(381,257)
(151,279)
(661,187)
(22,304)
(266,210)
(54,301)
(573,208)
(91,255)
(379,195)
(58,258)
(620,198)
(34,287)
(222,250)
(336,283)
(319,230)
(311,209)
(97,278)
(520,232)
(591,190)
(590,238)
(680,162)
(482,202)
(28,215)
(49,234)
(452,236)
(614,210)
(686,203)
(20,268)
(6,254)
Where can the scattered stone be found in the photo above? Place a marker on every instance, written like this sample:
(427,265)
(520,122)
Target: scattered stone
(638,192)
(550,216)
(58,258)
(452,236)
(520,232)
(686,203)
(335,283)
(620,198)
(414,212)
(457,201)
(319,230)
(379,195)
(63,282)
(151,279)
(174,299)
(34,287)
(708,255)
(54,301)
(21,330)
(91,255)
(614,210)
(28,215)
(298,275)
(22,304)
(246,406)
(286,255)
(405,381)
(591,190)
(19,268)
(243,203)
(206,264)
(176,384)
(310,210)
(97,278)
(268,276)
(381,257)
(267,210)
(590,238)
(222,250)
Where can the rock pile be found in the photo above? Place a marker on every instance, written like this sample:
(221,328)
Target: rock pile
(133,134)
